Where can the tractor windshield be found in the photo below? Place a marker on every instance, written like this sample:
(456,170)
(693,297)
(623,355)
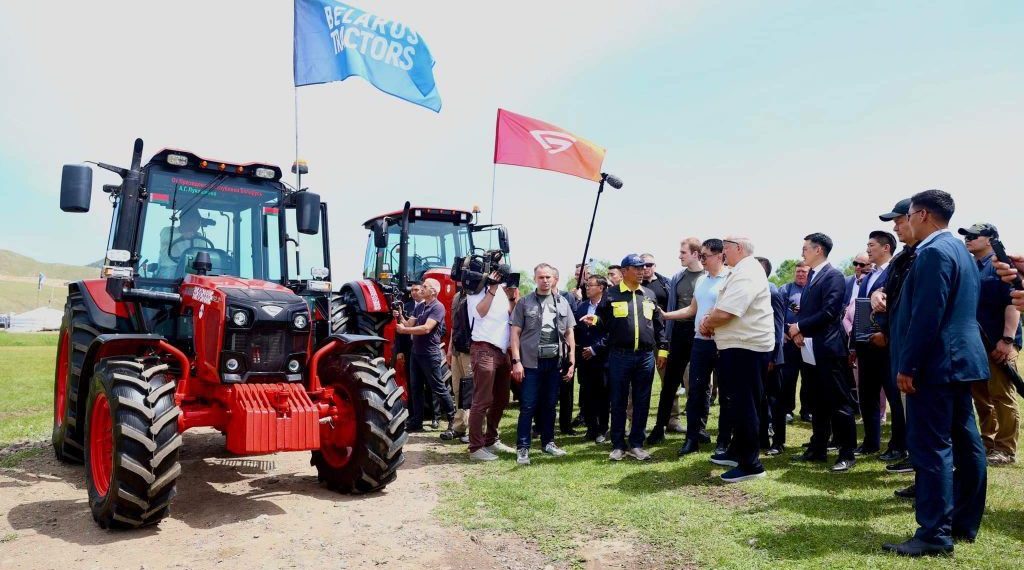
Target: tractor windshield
(431,244)
(191,212)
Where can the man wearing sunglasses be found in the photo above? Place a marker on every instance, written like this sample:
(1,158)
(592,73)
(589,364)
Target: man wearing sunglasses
(995,400)
(862,267)
(938,354)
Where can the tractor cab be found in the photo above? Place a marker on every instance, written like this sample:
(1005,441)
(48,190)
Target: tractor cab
(411,245)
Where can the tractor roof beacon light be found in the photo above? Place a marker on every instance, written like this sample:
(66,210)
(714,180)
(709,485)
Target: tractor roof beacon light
(616,183)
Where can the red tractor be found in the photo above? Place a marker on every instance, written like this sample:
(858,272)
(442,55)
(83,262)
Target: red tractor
(200,319)
(410,245)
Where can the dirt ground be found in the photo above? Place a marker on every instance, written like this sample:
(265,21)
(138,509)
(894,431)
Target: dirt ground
(253,512)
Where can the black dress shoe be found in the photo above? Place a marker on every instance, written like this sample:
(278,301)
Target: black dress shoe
(861,450)
(901,467)
(656,436)
(578,422)
(806,418)
(916,547)
(893,455)
(958,537)
(775,450)
(843,465)
(906,492)
(703,437)
(689,447)
(809,456)
(569,431)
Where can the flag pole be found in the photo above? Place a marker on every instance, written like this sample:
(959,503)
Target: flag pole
(298,172)
(494,174)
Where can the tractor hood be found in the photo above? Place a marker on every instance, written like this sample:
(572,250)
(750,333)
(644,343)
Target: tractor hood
(224,281)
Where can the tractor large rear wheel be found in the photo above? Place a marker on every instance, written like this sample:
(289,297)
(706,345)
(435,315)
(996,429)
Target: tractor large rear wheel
(76,334)
(361,445)
(131,444)
(348,318)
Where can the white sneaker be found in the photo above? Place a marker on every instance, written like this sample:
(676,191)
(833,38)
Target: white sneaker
(600,439)
(616,455)
(553,450)
(676,427)
(498,447)
(523,457)
(464,439)
(639,453)
(681,391)
(482,455)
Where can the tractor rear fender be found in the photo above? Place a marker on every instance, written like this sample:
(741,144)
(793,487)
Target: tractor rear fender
(102,308)
(337,343)
(370,296)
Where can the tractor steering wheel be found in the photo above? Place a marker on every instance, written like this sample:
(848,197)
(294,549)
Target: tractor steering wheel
(190,241)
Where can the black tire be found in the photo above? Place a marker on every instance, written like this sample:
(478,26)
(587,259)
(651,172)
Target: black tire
(143,429)
(68,431)
(369,387)
(347,318)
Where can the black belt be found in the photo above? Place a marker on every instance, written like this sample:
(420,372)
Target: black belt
(630,350)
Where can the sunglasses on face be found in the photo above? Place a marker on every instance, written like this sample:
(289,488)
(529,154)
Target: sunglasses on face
(648,265)
(859,264)
(971,237)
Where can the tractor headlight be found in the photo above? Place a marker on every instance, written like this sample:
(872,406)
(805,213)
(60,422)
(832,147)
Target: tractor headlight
(177,160)
(294,366)
(300,321)
(240,318)
(267,173)
(231,365)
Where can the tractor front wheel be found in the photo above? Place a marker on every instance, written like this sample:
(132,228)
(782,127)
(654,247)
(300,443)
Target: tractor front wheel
(361,443)
(131,443)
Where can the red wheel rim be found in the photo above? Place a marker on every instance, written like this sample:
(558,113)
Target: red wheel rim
(101,445)
(337,443)
(60,379)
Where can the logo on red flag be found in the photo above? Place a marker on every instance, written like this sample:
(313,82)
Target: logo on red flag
(523,141)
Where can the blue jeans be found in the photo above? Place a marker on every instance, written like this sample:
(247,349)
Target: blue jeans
(426,370)
(538,396)
(630,371)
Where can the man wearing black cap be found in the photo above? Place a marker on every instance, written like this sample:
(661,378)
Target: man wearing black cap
(884,299)
(995,400)
(635,330)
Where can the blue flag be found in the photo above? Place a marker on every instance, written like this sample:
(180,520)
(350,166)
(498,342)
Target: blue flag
(334,41)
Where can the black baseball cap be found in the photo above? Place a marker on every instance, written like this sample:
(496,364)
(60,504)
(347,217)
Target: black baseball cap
(902,208)
(987,230)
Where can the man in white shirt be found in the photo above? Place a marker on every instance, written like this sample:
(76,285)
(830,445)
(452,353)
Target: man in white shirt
(743,324)
(492,370)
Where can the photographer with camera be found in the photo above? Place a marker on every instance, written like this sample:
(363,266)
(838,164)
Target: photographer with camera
(492,293)
(543,357)
(996,399)
(426,361)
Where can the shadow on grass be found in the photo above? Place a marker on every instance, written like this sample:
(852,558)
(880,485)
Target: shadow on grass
(805,541)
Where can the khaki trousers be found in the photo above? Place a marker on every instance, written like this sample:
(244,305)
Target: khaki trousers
(998,417)
(462,367)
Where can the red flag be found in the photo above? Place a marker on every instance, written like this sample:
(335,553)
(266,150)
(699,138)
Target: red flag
(522,141)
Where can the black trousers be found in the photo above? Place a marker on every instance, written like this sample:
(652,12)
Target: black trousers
(565,404)
(876,377)
(793,369)
(704,360)
(678,358)
(833,407)
(741,373)
(426,371)
(773,413)
(594,389)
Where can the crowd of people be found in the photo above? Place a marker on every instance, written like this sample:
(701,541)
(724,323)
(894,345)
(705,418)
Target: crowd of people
(924,338)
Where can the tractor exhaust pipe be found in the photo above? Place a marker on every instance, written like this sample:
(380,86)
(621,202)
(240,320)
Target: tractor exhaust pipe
(403,251)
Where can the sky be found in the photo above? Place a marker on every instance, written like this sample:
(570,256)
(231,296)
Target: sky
(766,119)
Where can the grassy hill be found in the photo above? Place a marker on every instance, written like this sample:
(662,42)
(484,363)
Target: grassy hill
(19,275)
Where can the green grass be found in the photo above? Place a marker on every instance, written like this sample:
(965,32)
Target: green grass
(26,386)
(800,516)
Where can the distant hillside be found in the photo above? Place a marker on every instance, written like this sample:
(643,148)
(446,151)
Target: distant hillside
(16,265)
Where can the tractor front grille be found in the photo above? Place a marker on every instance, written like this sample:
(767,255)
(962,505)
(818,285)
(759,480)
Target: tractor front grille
(265,350)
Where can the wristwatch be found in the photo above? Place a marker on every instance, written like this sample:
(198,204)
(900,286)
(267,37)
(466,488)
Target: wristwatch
(1007,339)
(515,361)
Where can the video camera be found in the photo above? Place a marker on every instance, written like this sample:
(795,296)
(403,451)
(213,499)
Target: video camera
(474,271)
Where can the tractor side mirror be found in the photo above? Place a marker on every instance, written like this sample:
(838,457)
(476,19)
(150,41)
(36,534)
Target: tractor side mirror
(503,240)
(380,233)
(307,212)
(75,188)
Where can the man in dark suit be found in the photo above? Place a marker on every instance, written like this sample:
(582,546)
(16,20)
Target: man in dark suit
(819,331)
(773,408)
(591,358)
(937,354)
(874,363)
